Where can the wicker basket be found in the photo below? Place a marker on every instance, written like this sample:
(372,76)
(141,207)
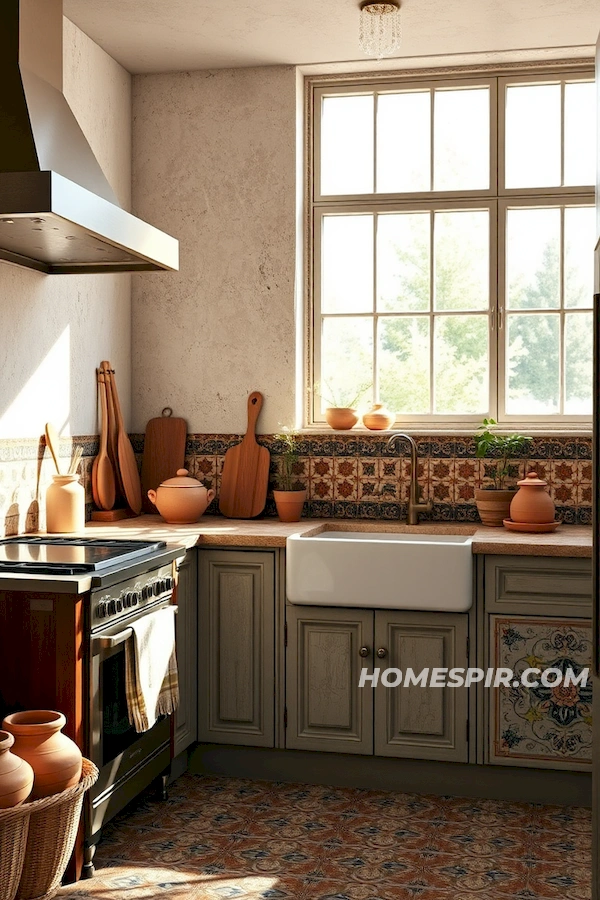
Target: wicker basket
(14,824)
(53,825)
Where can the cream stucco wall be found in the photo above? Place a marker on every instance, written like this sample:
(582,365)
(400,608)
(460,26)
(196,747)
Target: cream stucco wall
(214,163)
(57,328)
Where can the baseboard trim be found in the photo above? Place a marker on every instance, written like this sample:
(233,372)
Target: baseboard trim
(407,775)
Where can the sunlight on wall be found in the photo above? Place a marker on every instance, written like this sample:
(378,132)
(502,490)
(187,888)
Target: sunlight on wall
(46,397)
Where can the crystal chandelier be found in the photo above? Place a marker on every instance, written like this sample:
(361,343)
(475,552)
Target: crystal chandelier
(379,28)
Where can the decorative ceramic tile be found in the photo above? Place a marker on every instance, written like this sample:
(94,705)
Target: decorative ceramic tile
(542,723)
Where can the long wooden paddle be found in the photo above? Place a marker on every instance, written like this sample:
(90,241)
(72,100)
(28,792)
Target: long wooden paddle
(130,475)
(53,443)
(245,477)
(105,493)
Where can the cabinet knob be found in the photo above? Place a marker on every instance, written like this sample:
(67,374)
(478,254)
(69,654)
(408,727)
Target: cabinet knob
(382,652)
(364,651)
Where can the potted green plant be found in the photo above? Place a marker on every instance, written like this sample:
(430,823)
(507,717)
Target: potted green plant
(493,502)
(289,499)
(341,413)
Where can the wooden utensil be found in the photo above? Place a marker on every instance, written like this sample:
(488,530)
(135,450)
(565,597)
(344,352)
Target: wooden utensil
(53,443)
(164,452)
(105,476)
(112,432)
(126,457)
(245,475)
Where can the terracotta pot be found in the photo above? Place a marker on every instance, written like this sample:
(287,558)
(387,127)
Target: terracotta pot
(341,418)
(54,758)
(378,418)
(493,506)
(181,500)
(289,504)
(16,775)
(532,503)
(65,505)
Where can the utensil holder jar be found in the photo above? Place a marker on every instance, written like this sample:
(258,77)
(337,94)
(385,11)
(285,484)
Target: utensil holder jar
(65,505)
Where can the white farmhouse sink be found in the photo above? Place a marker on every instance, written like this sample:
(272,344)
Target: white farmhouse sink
(380,570)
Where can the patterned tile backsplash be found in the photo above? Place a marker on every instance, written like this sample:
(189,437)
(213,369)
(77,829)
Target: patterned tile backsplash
(347,476)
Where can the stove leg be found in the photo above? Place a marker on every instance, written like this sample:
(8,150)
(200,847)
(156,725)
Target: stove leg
(163,793)
(88,870)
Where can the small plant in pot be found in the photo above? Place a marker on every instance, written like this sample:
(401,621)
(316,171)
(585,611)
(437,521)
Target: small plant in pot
(493,502)
(340,413)
(290,496)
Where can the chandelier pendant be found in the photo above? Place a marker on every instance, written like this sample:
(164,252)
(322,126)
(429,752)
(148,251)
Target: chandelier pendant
(379,27)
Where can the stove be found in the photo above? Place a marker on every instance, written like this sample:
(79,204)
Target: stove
(72,555)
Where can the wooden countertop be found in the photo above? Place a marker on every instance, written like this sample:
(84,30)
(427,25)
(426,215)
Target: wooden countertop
(567,540)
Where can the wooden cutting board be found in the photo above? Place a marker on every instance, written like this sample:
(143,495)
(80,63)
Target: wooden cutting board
(245,475)
(164,452)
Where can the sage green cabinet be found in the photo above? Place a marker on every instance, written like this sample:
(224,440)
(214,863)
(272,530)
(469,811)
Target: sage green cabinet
(327,710)
(236,645)
(186,714)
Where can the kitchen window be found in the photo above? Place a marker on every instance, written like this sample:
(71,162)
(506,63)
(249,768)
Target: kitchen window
(451,248)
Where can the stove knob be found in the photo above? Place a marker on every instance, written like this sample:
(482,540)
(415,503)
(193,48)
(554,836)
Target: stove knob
(101,611)
(137,596)
(169,583)
(119,603)
(127,599)
(147,592)
(156,588)
(112,607)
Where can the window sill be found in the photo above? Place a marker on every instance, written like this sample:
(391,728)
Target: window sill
(575,430)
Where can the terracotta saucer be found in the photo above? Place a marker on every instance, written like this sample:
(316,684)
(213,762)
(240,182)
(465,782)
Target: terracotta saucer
(539,528)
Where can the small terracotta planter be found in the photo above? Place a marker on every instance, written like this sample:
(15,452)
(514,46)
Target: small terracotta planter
(493,506)
(289,504)
(16,775)
(54,758)
(341,418)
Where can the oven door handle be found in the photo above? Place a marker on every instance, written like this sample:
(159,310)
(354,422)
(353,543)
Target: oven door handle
(107,642)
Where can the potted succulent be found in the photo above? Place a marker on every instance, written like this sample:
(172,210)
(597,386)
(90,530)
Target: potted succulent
(493,502)
(340,413)
(289,500)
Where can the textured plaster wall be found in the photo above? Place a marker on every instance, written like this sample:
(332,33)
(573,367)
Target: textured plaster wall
(214,156)
(56,329)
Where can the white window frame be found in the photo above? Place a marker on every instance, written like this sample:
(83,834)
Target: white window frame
(496,197)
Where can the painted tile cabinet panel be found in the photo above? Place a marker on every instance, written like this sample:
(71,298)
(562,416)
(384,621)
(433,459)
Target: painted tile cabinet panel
(326,708)
(540,611)
(186,715)
(236,647)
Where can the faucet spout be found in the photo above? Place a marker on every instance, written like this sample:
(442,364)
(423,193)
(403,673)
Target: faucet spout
(414,504)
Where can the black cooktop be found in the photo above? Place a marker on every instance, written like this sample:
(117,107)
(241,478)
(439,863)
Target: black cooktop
(71,555)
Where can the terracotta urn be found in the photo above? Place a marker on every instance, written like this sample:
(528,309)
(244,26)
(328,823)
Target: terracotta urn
(532,503)
(289,504)
(493,506)
(341,418)
(16,775)
(378,418)
(54,758)
(181,500)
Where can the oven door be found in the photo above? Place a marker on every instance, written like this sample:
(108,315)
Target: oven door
(127,761)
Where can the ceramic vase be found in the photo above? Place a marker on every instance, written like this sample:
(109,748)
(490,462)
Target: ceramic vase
(532,503)
(493,506)
(378,418)
(340,418)
(54,758)
(289,504)
(16,775)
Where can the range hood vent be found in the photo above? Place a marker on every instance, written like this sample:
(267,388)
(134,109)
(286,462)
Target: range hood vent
(58,213)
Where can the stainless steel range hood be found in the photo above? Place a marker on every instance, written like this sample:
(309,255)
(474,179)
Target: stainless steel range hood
(58,213)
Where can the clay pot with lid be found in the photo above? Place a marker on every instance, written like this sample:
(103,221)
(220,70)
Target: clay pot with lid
(16,775)
(181,500)
(532,503)
(54,758)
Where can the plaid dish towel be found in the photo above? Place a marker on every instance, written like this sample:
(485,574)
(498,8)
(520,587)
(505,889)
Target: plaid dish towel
(151,681)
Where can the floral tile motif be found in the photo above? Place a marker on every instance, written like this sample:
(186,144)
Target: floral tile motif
(220,837)
(542,723)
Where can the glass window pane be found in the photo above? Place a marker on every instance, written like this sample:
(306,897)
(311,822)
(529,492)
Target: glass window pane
(532,145)
(532,258)
(580,133)
(346,361)
(461,259)
(347,145)
(533,364)
(578,364)
(580,238)
(403,267)
(461,352)
(347,264)
(461,140)
(403,142)
(403,362)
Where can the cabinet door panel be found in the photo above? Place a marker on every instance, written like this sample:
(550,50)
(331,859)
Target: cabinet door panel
(538,585)
(543,727)
(186,715)
(237,647)
(414,721)
(326,709)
